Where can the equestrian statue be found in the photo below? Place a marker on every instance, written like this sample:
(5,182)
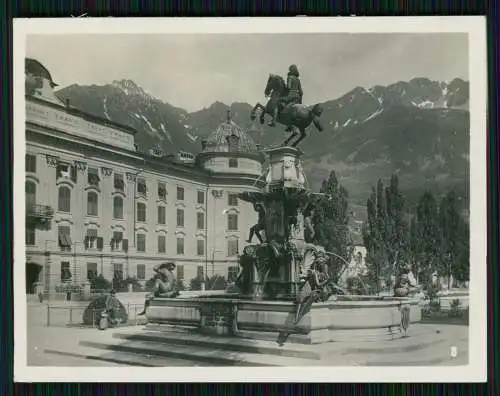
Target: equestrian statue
(285,106)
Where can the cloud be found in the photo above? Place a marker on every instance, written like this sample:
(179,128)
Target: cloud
(192,71)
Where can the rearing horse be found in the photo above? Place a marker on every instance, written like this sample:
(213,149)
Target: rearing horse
(293,116)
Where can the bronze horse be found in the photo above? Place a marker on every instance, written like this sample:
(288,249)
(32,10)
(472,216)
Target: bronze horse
(293,116)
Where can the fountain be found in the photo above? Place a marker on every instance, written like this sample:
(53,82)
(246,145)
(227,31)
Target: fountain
(276,298)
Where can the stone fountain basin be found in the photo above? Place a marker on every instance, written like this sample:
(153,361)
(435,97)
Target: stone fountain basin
(346,318)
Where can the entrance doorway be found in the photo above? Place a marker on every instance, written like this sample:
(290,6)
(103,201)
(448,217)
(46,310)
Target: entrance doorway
(32,275)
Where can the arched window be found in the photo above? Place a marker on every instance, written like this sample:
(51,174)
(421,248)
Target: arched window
(118,208)
(64,204)
(92,203)
(30,188)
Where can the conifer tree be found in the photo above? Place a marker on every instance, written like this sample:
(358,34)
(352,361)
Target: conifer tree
(331,223)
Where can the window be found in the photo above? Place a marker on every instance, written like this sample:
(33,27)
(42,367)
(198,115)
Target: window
(233,162)
(200,274)
(90,239)
(30,163)
(232,199)
(118,271)
(180,272)
(141,187)
(30,234)
(118,182)
(200,221)
(118,208)
(64,202)
(201,197)
(162,191)
(93,177)
(91,271)
(117,240)
(180,218)
(141,271)
(141,212)
(30,190)
(64,237)
(92,203)
(180,193)
(180,245)
(232,273)
(232,247)
(232,222)
(66,171)
(141,242)
(65,271)
(162,217)
(162,244)
(200,247)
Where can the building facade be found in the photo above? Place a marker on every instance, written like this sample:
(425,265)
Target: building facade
(96,205)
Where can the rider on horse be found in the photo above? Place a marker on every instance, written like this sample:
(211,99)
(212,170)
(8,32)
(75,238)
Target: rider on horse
(294,92)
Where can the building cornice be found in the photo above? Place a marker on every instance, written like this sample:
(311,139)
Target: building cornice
(86,116)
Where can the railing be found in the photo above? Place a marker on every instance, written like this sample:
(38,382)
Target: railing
(39,211)
(72,315)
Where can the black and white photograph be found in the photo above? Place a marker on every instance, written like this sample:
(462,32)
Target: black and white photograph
(278,199)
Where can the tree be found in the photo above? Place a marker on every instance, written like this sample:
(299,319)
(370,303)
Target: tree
(396,227)
(330,221)
(428,253)
(455,240)
(386,233)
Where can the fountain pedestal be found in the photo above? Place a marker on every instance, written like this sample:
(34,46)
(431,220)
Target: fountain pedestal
(269,280)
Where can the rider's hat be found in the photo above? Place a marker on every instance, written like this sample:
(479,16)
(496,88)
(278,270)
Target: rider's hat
(293,70)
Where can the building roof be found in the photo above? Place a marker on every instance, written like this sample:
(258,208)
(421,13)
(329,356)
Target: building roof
(36,68)
(229,136)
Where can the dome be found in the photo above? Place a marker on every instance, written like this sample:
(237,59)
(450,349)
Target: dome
(229,137)
(32,66)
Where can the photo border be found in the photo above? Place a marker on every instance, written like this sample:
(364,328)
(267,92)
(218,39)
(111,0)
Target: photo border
(476,29)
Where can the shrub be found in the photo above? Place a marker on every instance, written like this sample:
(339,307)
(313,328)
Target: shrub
(432,290)
(435,305)
(455,310)
(99,283)
(122,285)
(215,282)
(354,286)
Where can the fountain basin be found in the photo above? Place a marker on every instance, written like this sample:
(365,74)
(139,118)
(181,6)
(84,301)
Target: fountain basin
(347,318)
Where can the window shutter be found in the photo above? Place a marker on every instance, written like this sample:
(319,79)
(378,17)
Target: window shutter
(100,243)
(125,245)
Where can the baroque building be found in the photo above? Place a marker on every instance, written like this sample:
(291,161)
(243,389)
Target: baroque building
(96,205)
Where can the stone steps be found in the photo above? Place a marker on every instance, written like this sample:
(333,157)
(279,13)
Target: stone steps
(209,355)
(161,345)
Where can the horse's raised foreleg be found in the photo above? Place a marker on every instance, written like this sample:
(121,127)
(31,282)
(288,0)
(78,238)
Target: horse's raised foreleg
(317,124)
(294,133)
(302,136)
(254,111)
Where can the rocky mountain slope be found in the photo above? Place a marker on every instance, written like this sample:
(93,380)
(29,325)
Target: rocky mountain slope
(419,129)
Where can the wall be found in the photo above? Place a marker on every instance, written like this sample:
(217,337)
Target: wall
(215,209)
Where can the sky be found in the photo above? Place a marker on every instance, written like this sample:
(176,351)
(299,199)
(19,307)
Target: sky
(192,71)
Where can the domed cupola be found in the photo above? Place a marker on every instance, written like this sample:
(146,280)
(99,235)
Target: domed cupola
(229,149)
(39,82)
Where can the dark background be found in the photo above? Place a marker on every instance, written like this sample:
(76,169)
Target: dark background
(41,9)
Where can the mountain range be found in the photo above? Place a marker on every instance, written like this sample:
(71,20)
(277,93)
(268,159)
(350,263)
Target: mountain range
(418,129)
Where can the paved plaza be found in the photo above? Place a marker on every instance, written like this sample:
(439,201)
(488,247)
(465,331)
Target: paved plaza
(61,345)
